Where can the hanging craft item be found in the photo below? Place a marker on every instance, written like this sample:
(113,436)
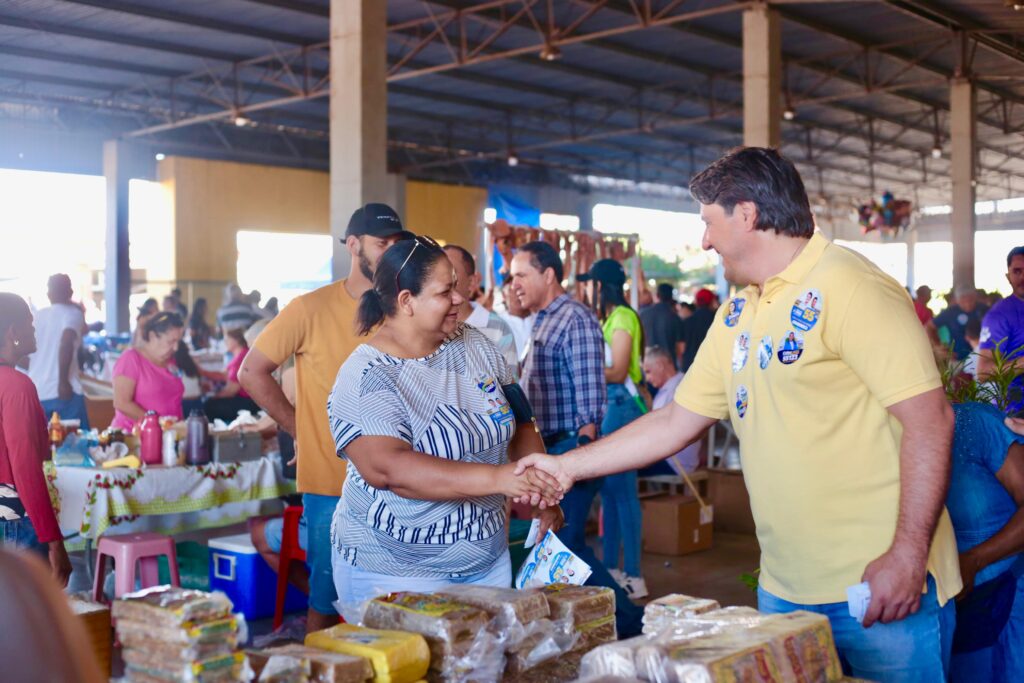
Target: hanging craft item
(888,216)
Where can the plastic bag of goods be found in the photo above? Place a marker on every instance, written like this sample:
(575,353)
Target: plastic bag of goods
(323,666)
(396,657)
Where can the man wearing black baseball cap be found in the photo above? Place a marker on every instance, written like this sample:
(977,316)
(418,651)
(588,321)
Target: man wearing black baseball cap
(319,330)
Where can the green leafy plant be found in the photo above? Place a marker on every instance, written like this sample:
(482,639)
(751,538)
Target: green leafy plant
(750,579)
(962,388)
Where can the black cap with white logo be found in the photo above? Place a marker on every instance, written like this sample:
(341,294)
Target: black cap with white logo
(377,220)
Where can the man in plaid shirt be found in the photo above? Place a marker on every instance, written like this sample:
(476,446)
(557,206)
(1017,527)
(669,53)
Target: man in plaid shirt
(563,377)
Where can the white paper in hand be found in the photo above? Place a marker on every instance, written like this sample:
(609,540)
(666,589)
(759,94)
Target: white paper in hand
(552,562)
(859,597)
(531,537)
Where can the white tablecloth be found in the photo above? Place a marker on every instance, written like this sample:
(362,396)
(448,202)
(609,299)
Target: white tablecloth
(90,501)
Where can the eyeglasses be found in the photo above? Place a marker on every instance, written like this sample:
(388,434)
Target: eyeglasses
(427,243)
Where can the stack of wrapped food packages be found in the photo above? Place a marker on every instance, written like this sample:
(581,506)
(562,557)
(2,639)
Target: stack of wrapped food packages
(693,640)
(170,634)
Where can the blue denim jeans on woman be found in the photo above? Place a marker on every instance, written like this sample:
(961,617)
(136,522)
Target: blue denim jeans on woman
(19,534)
(912,650)
(620,504)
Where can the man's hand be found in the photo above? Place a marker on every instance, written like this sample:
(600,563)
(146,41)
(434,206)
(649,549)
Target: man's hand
(553,466)
(64,390)
(970,565)
(551,519)
(60,565)
(896,579)
(1015,425)
(531,487)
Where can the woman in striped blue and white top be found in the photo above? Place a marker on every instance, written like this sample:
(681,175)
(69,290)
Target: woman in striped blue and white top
(422,413)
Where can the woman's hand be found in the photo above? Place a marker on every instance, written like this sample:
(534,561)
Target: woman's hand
(551,519)
(531,486)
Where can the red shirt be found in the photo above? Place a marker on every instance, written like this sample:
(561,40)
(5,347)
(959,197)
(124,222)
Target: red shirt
(24,445)
(924,314)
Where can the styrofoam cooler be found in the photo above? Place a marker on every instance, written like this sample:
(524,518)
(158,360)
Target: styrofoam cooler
(237,569)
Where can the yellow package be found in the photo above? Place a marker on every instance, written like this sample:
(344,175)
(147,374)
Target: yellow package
(397,657)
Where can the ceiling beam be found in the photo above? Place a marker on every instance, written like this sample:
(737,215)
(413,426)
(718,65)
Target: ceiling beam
(310,8)
(119,39)
(195,21)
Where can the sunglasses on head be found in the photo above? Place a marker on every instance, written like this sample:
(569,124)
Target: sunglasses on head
(419,241)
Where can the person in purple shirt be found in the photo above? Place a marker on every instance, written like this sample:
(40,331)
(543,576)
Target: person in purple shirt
(1003,327)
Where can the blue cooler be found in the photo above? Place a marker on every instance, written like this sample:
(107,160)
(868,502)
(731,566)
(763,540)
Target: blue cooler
(237,569)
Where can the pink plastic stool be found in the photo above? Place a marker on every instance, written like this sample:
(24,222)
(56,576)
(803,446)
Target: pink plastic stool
(128,549)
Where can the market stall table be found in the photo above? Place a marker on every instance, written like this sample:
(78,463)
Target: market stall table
(90,501)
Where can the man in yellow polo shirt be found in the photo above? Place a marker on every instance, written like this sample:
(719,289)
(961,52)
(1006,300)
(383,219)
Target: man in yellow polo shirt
(828,378)
(319,330)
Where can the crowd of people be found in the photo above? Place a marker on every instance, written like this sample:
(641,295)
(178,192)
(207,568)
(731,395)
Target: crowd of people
(419,413)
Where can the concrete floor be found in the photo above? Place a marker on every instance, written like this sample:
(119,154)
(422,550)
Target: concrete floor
(713,573)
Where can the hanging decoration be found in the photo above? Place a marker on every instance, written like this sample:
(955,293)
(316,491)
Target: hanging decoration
(888,216)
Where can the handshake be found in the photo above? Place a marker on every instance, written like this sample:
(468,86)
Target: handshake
(537,480)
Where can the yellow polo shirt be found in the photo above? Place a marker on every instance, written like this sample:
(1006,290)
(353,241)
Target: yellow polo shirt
(317,328)
(806,370)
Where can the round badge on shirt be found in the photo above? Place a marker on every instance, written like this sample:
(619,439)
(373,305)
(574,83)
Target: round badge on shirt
(765,351)
(807,309)
(740,351)
(734,311)
(791,347)
(742,401)
(962,318)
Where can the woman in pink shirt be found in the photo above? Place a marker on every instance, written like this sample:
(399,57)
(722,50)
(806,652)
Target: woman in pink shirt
(27,519)
(232,397)
(143,376)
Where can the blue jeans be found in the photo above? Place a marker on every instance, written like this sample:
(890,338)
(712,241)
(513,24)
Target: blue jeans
(576,506)
(620,504)
(19,534)
(318,511)
(356,586)
(71,409)
(1004,661)
(913,650)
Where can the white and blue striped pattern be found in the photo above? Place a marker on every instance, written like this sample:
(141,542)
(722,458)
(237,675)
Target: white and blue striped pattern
(436,405)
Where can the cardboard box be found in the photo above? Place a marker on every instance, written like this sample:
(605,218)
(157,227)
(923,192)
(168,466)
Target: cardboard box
(732,502)
(95,617)
(672,525)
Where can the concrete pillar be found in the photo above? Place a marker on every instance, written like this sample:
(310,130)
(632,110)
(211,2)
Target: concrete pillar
(911,259)
(762,77)
(118,274)
(358,115)
(964,144)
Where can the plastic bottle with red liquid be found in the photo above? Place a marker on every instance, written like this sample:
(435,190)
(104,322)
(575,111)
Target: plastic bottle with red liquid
(151,437)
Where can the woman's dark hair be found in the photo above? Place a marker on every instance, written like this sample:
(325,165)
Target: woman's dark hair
(13,310)
(183,359)
(238,334)
(198,318)
(609,296)
(544,256)
(404,266)
(763,176)
(161,323)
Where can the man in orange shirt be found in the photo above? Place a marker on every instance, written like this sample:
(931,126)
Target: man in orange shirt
(319,330)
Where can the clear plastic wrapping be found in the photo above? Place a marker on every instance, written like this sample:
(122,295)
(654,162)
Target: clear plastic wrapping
(324,667)
(564,668)
(396,657)
(185,643)
(506,605)
(661,613)
(791,647)
(596,633)
(223,669)
(614,659)
(450,627)
(541,641)
(583,604)
(285,669)
(164,606)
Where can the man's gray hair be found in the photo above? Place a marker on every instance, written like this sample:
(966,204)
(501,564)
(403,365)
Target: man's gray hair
(655,352)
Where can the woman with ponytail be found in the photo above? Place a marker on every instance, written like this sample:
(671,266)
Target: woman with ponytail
(426,412)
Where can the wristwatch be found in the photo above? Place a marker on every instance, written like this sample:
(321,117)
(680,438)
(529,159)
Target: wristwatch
(583,440)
